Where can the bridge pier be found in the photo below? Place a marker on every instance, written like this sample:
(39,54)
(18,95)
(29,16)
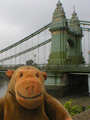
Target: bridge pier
(57,78)
(60,84)
(54,78)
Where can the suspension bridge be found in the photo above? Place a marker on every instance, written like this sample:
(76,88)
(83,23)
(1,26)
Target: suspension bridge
(59,47)
(38,45)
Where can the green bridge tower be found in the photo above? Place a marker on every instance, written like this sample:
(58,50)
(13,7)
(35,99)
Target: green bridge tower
(66,44)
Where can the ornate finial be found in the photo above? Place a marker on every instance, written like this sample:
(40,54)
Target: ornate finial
(74,13)
(59,3)
(74,7)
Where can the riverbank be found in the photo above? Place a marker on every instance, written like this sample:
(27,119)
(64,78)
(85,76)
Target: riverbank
(82,100)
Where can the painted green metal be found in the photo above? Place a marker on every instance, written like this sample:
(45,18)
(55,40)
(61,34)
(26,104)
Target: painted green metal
(58,30)
(66,46)
(81,21)
(86,29)
(73,68)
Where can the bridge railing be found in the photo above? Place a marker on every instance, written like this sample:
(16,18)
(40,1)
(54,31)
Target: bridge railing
(66,68)
(53,67)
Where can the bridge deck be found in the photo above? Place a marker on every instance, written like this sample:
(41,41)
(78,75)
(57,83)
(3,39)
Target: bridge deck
(54,68)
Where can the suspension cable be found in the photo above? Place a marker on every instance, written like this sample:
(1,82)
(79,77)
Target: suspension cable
(88,47)
(26,38)
(38,49)
(25,51)
(45,49)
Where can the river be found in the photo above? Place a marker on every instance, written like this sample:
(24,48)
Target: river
(3,87)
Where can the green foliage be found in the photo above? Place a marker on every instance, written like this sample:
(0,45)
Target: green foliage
(67,105)
(88,108)
(73,110)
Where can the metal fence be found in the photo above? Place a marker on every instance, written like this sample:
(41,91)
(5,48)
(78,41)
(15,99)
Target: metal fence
(53,67)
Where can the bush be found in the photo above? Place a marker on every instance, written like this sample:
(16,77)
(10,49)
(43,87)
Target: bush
(73,110)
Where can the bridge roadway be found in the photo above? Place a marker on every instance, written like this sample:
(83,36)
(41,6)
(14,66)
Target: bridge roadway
(78,68)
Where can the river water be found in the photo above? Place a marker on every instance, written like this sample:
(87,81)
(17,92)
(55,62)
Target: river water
(3,87)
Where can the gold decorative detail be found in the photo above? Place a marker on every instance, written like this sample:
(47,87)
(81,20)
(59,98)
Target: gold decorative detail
(57,19)
(57,32)
(53,33)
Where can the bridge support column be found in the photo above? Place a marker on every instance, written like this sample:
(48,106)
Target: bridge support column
(54,78)
(57,78)
(57,84)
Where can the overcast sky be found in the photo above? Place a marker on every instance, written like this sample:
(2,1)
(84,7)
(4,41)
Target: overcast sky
(19,18)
